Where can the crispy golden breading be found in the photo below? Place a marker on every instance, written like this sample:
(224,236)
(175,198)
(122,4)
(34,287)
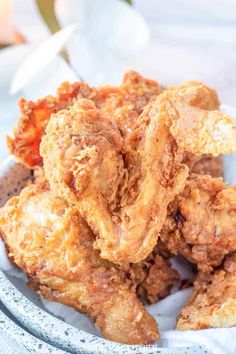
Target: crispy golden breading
(198,95)
(50,242)
(121,104)
(205,164)
(213,301)
(115,181)
(201,222)
(154,277)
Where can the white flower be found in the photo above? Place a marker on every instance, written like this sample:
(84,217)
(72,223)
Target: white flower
(110,32)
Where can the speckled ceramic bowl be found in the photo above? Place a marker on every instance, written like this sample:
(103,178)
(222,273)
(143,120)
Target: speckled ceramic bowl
(27,309)
(21,340)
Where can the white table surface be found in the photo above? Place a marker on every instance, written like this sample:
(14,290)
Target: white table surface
(189,40)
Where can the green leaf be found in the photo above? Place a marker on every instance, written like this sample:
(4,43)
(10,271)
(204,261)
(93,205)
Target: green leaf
(129,1)
(46,9)
(3,46)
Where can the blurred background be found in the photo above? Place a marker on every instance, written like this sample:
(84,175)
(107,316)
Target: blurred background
(169,41)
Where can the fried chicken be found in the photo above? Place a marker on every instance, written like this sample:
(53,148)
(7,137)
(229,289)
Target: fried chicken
(154,277)
(205,164)
(122,104)
(201,222)
(213,300)
(143,171)
(50,242)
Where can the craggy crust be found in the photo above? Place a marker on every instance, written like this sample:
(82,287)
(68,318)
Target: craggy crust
(201,222)
(213,301)
(50,242)
(122,104)
(205,164)
(122,186)
(154,277)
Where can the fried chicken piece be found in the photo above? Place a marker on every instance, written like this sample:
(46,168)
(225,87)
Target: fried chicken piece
(201,222)
(154,277)
(122,104)
(205,164)
(123,186)
(50,242)
(213,300)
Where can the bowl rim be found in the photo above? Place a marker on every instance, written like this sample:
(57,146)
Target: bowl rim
(22,339)
(66,337)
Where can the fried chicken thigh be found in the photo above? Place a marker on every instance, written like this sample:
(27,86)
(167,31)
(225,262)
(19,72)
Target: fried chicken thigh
(213,301)
(122,186)
(50,242)
(122,104)
(201,222)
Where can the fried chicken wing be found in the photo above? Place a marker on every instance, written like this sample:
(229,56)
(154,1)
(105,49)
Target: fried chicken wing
(213,300)
(201,222)
(205,99)
(50,242)
(122,186)
(122,104)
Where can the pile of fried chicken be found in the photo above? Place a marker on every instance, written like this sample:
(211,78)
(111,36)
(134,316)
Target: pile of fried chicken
(125,178)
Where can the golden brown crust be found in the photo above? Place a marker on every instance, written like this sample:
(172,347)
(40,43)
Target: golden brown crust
(213,300)
(154,277)
(82,148)
(122,104)
(50,242)
(202,221)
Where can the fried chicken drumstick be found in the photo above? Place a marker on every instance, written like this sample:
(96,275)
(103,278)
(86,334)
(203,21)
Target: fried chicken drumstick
(213,301)
(50,242)
(201,222)
(123,186)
